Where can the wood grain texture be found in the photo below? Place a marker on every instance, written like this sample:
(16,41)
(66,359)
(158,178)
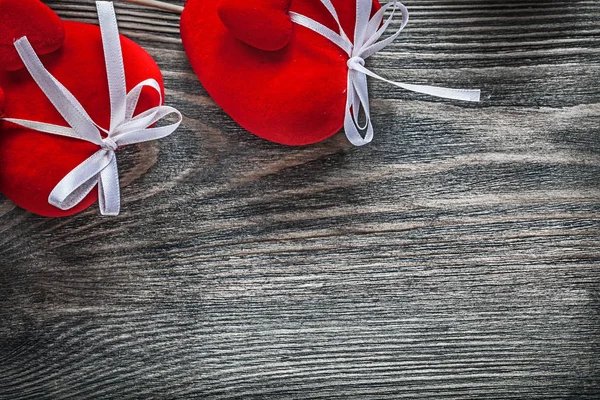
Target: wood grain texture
(457,257)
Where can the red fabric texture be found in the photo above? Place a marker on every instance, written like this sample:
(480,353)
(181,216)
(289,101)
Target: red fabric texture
(294,96)
(32,163)
(31,18)
(262,24)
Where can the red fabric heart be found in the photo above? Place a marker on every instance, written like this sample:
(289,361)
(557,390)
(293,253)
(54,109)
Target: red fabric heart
(293,96)
(43,28)
(32,163)
(264,24)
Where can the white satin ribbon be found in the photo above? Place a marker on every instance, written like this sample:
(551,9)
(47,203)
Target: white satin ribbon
(125,128)
(366,35)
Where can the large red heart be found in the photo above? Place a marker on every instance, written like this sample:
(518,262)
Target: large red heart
(43,28)
(32,163)
(293,96)
(263,24)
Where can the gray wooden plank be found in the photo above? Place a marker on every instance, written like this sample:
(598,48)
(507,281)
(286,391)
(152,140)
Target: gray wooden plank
(456,257)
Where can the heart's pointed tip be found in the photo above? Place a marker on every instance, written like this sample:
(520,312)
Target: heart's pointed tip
(32,18)
(263,24)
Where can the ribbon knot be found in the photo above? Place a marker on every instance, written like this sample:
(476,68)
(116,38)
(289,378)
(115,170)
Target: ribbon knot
(368,30)
(354,61)
(101,168)
(109,145)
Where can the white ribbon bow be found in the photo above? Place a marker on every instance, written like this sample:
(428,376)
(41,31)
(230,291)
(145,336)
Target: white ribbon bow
(366,35)
(101,168)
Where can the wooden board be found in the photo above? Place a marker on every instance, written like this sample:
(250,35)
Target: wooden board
(456,257)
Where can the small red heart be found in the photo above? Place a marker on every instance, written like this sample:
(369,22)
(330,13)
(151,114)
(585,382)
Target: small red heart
(43,28)
(295,95)
(264,24)
(32,163)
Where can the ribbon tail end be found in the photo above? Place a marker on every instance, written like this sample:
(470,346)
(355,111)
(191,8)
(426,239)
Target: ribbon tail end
(109,213)
(475,96)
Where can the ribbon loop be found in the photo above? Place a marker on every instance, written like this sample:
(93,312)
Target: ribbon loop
(101,168)
(367,32)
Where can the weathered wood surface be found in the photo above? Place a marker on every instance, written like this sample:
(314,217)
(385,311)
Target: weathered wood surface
(457,256)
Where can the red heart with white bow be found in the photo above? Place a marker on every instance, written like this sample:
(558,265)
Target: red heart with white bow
(72,95)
